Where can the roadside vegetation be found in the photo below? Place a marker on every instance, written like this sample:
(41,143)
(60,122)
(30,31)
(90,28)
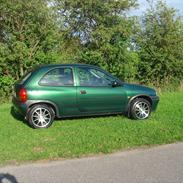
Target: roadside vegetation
(69,138)
(146,49)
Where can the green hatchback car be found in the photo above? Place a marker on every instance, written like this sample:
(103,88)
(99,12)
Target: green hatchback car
(78,90)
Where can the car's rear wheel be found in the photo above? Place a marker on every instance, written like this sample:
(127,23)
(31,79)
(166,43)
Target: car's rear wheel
(40,116)
(140,108)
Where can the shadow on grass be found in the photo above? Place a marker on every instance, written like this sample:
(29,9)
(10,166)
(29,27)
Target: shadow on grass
(6,177)
(17,116)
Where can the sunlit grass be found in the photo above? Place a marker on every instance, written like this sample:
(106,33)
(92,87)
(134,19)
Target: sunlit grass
(77,137)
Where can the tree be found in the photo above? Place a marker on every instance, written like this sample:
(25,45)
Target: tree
(28,36)
(28,31)
(103,32)
(160,45)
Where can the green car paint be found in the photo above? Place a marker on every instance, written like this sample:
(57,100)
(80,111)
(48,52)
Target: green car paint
(79,100)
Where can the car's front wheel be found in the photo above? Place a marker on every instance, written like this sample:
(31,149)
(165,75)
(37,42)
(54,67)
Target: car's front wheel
(140,108)
(40,116)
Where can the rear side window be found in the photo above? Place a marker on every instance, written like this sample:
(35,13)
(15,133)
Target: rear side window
(58,77)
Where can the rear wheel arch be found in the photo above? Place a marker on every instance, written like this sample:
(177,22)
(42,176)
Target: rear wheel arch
(49,104)
(40,115)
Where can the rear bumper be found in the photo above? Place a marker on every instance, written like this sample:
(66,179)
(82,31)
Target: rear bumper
(155,101)
(19,106)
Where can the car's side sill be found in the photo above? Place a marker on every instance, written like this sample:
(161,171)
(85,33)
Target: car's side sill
(89,115)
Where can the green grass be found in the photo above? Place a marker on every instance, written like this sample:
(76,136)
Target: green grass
(77,137)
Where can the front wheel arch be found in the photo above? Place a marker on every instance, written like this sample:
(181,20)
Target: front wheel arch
(146,97)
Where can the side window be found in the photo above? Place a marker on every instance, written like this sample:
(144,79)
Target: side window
(58,77)
(93,77)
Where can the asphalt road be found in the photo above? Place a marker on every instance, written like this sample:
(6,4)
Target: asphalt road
(163,164)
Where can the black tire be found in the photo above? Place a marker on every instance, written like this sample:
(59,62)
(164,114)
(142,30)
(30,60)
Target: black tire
(140,109)
(40,116)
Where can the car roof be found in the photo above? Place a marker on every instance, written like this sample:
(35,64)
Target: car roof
(68,65)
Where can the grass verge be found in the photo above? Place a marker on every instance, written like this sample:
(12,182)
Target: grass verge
(77,137)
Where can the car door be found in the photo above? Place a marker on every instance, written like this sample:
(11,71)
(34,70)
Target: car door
(95,94)
(58,87)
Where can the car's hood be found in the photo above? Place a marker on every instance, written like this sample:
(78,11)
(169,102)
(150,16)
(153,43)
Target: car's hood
(141,88)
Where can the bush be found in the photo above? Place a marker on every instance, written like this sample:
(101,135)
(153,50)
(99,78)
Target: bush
(6,87)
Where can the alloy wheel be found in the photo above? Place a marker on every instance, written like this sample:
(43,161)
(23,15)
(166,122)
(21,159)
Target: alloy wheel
(41,117)
(142,110)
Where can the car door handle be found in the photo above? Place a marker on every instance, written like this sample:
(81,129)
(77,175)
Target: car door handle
(82,91)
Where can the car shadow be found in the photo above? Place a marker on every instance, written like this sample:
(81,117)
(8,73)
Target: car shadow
(17,116)
(6,177)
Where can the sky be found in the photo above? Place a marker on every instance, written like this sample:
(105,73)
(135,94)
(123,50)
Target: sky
(177,4)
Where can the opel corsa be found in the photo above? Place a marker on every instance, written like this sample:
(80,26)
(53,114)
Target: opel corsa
(78,90)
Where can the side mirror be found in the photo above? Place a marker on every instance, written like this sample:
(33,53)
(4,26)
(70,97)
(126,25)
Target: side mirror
(115,84)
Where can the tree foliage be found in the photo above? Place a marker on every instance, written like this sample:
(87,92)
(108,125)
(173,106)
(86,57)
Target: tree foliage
(100,32)
(160,42)
(104,32)
(28,37)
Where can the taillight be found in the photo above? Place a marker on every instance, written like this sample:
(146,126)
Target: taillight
(23,95)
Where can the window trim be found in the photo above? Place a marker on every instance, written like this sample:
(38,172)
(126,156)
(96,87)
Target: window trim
(58,85)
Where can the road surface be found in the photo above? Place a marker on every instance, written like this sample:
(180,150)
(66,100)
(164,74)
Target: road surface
(162,164)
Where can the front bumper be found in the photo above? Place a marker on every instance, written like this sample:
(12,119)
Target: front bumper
(155,101)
